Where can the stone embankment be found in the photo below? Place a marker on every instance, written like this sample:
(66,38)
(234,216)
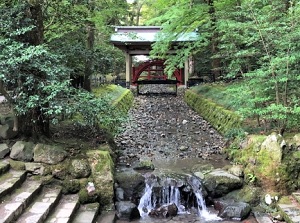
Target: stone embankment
(25,199)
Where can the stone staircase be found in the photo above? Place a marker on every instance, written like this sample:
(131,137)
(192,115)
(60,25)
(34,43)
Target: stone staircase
(289,207)
(24,199)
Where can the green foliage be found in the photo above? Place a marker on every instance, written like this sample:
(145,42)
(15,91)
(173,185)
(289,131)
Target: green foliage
(174,27)
(251,178)
(35,78)
(259,41)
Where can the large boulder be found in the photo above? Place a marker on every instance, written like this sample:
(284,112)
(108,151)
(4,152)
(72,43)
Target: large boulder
(229,209)
(4,150)
(248,194)
(102,168)
(219,183)
(80,168)
(22,151)
(132,183)
(273,146)
(49,154)
(127,210)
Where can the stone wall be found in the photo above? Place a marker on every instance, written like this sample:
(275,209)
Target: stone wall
(221,119)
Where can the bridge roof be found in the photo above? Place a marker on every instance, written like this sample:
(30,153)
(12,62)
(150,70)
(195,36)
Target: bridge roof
(136,38)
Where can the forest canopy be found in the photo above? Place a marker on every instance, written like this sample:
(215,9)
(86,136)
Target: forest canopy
(49,48)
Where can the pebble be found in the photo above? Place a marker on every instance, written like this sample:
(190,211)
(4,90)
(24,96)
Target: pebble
(162,123)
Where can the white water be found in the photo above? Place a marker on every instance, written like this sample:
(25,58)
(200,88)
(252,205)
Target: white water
(146,204)
(202,209)
(170,195)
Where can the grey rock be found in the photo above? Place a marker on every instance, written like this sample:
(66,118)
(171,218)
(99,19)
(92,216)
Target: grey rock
(219,182)
(80,168)
(6,132)
(49,154)
(35,168)
(4,150)
(127,210)
(229,209)
(22,151)
(273,144)
(119,194)
(236,170)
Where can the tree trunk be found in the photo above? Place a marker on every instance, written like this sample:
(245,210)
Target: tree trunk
(215,63)
(89,61)
(34,123)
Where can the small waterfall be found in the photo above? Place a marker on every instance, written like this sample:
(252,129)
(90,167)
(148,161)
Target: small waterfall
(146,204)
(169,193)
(202,208)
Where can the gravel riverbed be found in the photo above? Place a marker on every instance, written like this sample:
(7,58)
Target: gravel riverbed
(163,127)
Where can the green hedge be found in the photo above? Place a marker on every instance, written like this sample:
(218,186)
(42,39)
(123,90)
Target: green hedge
(221,119)
(121,101)
(124,102)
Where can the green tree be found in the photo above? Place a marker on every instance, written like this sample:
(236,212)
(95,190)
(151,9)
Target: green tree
(35,65)
(179,20)
(261,45)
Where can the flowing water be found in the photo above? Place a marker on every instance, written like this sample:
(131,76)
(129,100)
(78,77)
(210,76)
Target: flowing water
(167,132)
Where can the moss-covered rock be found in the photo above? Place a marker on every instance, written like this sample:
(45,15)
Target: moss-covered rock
(145,165)
(17,165)
(220,118)
(219,182)
(49,154)
(70,186)
(102,168)
(79,168)
(248,194)
(85,197)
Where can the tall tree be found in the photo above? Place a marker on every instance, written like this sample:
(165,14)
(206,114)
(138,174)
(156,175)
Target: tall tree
(262,45)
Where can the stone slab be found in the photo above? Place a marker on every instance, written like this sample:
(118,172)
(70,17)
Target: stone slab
(42,206)
(107,217)
(291,212)
(10,181)
(87,213)
(65,210)
(262,217)
(14,205)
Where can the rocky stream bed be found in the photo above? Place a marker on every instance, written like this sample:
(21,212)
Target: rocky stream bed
(171,138)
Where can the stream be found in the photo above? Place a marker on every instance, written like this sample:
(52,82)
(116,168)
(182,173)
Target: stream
(164,130)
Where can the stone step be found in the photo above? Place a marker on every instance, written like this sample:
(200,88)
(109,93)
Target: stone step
(87,213)
(65,209)
(42,206)
(10,181)
(290,208)
(296,196)
(107,217)
(262,217)
(4,166)
(13,205)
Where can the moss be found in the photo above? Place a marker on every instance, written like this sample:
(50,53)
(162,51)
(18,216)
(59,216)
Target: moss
(223,120)
(85,198)
(145,165)
(70,186)
(17,165)
(102,167)
(296,155)
(284,200)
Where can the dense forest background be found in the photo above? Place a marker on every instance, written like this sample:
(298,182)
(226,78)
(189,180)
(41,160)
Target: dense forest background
(49,48)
